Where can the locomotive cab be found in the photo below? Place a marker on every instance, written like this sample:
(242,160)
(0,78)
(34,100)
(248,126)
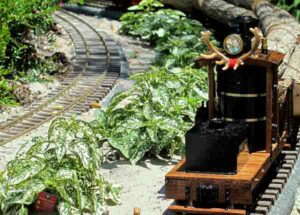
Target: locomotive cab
(239,136)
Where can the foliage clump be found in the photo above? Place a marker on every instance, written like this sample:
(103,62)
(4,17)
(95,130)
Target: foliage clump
(292,6)
(155,114)
(21,22)
(66,164)
(175,37)
(153,117)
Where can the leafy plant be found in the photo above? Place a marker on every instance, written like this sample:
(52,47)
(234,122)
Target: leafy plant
(21,20)
(6,93)
(155,114)
(153,117)
(76,1)
(174,36)
(146,6)
(291,6)
(66,164)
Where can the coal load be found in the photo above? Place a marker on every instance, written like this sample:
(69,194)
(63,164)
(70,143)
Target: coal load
(213,146)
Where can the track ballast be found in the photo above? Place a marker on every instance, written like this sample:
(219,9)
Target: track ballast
(96,68)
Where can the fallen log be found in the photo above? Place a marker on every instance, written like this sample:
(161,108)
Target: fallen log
(282,31)
(281,28)
(219,10)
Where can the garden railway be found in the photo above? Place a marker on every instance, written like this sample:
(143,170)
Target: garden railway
(96,69)
(231,114)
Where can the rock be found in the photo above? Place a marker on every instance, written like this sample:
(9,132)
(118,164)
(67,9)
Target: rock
(23,94)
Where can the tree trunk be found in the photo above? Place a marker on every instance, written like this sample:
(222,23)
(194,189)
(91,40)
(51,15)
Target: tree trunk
(282,31)
(281,28)
(219,10)
(242,3)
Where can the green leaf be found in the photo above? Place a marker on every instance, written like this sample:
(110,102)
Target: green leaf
(23,211)
(73,177)
(161,32)
(116,100)
(66,209)
(23,169)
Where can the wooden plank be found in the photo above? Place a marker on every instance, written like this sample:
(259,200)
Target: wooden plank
(269,111)
(248,167)
(251,170)
(206,211)
(272,59)
(275,105)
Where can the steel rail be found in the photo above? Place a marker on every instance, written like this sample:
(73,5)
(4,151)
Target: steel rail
(39,115)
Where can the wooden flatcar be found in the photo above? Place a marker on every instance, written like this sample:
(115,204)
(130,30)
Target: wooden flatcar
(236,143)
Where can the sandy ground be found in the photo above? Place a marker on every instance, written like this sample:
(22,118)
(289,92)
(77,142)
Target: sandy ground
(142,185)
(296,208)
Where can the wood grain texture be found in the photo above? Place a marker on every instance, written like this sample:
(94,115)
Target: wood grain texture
(248,167)
(252,168)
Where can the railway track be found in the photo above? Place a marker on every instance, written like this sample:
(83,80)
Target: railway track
(96,68)
(270,195)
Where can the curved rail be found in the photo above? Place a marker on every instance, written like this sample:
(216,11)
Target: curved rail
(96,69)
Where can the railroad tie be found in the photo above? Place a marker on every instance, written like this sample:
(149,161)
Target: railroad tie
(269,197)
(273,192)
(288,166)
(262,209)
(291,162)
(286,171)
(283,176)
(90,78)
(267,204)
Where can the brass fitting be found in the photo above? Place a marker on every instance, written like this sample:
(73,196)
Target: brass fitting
(264,45)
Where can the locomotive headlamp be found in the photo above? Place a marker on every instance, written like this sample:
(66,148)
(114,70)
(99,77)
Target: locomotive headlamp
(233,44)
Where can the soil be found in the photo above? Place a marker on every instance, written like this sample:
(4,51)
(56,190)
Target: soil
(143,185)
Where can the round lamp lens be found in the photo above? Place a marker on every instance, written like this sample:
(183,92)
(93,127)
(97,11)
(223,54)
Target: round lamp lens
(233,44)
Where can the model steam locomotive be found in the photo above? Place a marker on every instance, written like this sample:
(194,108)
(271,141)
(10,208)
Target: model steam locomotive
(238,137)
